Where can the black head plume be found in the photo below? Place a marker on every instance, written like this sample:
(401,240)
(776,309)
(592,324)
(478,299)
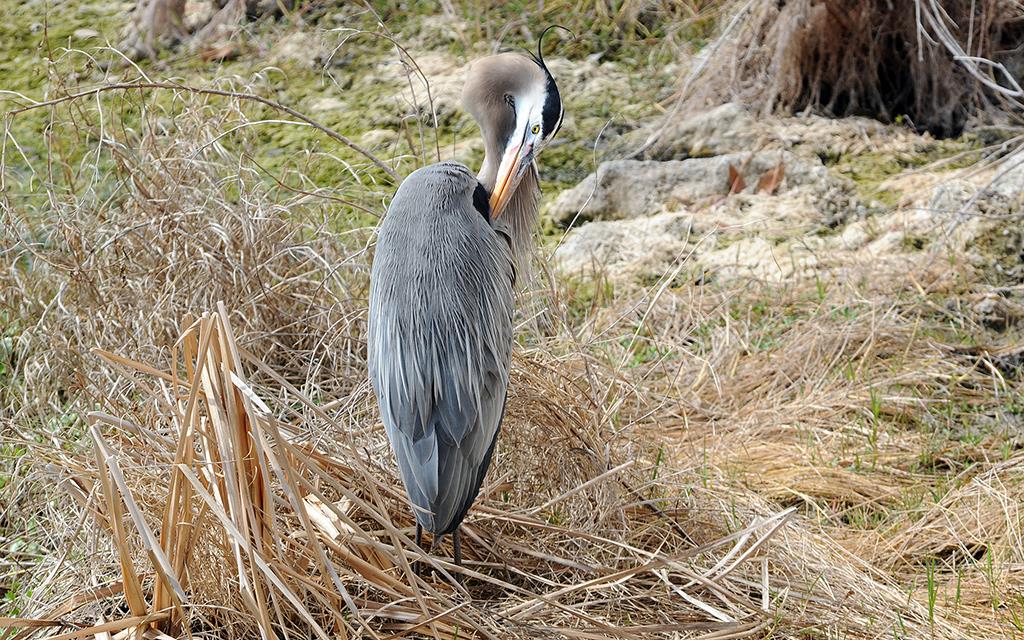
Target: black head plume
(553,106)
(539,56)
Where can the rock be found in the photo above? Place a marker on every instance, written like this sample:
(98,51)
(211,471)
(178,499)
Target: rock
(300,48)
(854,236)
(949,197)
(996,194)
(627,249)
(839,206)
(198,13)
(729,128)
(623,189)
(887,243)
(829,137)
(326,105)
(445,75)
(759,258)
(746,236)
(996,311)
(988,305)
(979,217)
(443,28)
(1009,182)
(651,215)
(376,138)
(725,129)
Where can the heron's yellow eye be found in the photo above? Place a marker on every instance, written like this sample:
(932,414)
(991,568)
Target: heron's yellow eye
(535,129)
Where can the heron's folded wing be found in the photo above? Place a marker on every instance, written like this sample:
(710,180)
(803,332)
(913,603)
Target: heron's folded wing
(441,374)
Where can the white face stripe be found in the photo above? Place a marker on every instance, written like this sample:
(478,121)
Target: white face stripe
(529,112)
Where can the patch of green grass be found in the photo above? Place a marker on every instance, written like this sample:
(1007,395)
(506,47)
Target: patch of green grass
(14,542)
(635,33)
(869,170)
(584,295)
(9,455)
(642,349)
(9,597)
(35,57)
(364,80)
(865,518)
(912,242)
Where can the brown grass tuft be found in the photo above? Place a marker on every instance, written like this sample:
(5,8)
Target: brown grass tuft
(698,460)
(933,64)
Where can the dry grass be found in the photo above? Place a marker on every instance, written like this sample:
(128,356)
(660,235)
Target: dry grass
(932,64)
(205,457)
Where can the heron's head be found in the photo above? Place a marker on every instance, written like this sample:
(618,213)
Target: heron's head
(516,103)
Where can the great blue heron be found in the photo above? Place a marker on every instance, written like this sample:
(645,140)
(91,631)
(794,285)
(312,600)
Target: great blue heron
(441,293)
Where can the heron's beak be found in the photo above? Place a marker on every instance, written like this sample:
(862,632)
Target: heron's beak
(514,164)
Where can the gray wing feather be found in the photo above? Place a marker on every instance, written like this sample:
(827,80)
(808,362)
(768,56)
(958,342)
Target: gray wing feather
(440,339)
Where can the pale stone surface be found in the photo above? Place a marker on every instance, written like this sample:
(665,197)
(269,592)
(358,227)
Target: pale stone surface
(725,129)
(300,48)
(626,249)
(815,225)
(327,105)
(631,188)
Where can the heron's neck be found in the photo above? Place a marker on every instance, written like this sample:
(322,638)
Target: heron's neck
(520,214)
(489,171)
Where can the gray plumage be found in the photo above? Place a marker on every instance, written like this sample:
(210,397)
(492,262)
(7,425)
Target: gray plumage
(520,218)
(441,293)
(440,339)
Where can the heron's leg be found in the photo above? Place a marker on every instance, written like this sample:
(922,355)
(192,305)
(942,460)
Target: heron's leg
(416,566)
(457,544)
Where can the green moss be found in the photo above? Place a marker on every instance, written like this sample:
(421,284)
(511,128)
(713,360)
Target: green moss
(912,242)
(37,65)
(35,58)
(563,164)
(636,34)
(870,170)
(1002,248)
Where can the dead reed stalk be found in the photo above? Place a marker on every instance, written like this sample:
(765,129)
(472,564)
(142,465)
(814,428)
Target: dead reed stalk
(219,501)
